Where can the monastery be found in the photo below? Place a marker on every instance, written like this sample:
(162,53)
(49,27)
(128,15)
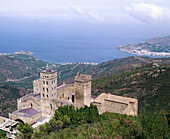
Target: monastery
(39,107)
(47,97)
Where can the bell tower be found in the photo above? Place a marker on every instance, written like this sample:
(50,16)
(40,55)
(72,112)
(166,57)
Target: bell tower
(48,88)
(82,86)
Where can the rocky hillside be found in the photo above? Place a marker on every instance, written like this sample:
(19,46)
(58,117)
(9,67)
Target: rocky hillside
(151,85)
(158,46)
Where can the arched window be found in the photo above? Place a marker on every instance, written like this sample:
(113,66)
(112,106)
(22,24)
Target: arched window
(47,96)
(47,89)
(43,89)
(43,82)
(43,95)
(46,83)
(31,105)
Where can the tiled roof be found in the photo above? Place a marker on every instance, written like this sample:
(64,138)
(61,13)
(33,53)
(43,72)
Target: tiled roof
(29,112)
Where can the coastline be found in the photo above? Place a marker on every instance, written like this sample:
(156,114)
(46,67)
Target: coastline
(144,52)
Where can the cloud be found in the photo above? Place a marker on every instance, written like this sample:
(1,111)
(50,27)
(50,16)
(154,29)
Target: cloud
(77,10)
(148,12)
(82,13)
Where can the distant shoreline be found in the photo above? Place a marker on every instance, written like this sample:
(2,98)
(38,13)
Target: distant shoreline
(145,52)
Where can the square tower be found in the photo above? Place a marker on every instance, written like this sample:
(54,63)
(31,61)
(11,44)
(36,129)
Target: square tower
(82,86)
(48,83)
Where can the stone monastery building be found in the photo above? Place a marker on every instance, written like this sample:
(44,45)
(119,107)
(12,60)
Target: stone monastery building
(47,97)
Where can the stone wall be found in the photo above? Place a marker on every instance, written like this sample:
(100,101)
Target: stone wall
(29,120)
(115,107)
(82,86)
(116,104)
(29,102)
(36,86)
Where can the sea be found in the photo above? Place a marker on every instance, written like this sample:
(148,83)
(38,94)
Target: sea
(69,49)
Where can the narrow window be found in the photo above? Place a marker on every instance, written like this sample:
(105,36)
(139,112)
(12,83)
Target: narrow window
(43,89)
(47,96)
(47,89)
(31,105)
(43,95)
(73,98)
(46,83)
(43,82)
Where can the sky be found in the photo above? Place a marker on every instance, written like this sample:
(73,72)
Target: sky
(123,17)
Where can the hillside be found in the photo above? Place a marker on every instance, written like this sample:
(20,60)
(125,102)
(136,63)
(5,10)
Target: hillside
(16,68)
(67,72)
(20,70)
(151,85)
(8,98)
(158,46)
(117,126)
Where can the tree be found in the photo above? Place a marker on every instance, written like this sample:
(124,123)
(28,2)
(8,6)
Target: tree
(26,130)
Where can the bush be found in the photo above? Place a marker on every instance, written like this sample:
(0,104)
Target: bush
(26,130)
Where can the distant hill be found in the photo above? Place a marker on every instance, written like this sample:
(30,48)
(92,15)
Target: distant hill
(19,67)
(20,70)
(151,85)
(158,46)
